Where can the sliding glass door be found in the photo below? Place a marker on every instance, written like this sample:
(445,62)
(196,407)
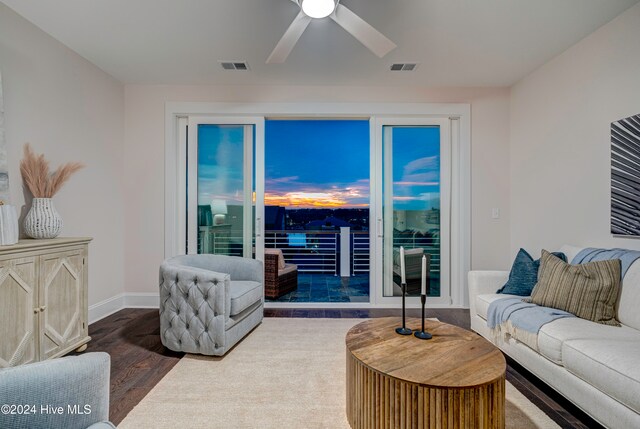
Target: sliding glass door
(225,197)
(411,182)
(413,206)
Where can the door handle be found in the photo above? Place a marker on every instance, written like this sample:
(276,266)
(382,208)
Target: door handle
(258,227)
(380,228)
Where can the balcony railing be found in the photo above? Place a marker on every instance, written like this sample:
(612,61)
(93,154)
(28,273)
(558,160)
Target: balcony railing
(220,241)
(360,252)
(315,251)
(311,251)
(431,245)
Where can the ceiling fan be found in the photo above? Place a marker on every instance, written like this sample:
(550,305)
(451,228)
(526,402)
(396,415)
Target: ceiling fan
(316,9)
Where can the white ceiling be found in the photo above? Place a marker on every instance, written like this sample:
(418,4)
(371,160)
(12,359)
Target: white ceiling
(456,42)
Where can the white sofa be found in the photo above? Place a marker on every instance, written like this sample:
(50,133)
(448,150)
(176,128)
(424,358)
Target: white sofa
(595,366)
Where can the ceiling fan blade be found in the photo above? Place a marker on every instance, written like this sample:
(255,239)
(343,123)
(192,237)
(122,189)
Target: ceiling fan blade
(289,40)
(361,30)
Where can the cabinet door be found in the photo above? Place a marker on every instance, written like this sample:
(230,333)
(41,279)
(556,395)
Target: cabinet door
(62,296)
(18,312)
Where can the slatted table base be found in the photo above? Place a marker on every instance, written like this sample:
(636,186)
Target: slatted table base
(375,400)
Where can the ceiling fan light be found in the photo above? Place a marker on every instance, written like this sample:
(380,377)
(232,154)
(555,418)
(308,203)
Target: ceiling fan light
(318,8)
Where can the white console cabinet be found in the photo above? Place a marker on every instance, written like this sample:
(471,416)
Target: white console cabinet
(43,299)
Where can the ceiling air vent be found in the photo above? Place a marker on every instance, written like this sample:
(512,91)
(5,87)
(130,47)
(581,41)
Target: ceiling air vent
(234,65)
(403,67)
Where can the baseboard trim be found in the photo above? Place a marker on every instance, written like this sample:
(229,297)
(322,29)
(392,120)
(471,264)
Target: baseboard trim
(106,308)
(142,300)
(152,300)
(121,301)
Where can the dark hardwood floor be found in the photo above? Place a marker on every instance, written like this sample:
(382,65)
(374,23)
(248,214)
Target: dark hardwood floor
(139,360)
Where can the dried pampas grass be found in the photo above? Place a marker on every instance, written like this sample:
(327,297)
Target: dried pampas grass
(35,173)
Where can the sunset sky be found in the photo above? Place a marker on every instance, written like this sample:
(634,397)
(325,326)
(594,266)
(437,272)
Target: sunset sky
(317,163)
(323,164)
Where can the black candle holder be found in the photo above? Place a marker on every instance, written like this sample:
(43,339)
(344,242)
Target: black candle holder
(422,334)
(404,330)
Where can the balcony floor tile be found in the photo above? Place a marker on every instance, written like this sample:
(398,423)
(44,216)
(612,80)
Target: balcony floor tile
(328,288)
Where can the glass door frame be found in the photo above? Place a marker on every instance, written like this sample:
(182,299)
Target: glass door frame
(381,159)
(458,115)
(254,130)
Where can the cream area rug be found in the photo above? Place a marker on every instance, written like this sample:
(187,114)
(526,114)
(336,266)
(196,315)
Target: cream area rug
(288,373)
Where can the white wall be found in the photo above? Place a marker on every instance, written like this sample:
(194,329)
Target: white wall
(560,139)
(540,152)
(69,110)
(144,160)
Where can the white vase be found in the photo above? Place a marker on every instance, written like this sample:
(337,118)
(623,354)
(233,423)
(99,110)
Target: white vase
(42,221)
(8,225)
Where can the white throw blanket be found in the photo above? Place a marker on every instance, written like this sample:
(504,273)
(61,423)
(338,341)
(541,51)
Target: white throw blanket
(520,320)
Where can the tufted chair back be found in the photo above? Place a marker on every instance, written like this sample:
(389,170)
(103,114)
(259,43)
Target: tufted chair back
(237,268)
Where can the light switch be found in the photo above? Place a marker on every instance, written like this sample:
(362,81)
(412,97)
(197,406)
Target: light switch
(495,213)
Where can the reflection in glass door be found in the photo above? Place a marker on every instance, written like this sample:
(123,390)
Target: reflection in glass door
(221,205)
(415,206)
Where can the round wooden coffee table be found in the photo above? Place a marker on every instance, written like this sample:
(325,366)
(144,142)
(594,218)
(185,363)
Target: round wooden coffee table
(456,379)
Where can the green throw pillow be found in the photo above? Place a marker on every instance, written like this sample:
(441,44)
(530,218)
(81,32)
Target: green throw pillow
(589,291)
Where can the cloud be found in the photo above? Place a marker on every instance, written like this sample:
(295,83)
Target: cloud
(334,197)
(426,163)
(289,192)
(421,172)
(305,199)
(398,198)
(404,183)
(210,188)
(278,180)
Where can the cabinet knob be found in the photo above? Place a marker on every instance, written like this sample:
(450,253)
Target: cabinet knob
(44,307)
(36,310)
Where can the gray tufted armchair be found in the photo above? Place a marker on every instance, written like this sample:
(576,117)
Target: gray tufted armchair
(209,302)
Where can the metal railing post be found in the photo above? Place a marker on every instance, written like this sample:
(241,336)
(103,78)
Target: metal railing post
(345,251)
(335,254)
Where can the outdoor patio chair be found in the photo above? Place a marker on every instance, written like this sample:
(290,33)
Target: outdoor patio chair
(279,277)
(413,270)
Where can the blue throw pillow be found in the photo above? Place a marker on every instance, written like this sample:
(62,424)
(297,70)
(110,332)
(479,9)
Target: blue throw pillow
(524,274)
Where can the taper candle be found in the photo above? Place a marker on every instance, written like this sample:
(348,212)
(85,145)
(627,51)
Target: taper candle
(403,277)
(424,275)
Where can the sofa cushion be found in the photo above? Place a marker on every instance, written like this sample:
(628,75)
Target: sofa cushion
(589,291)
(524,274)
(288,268)
(243,295)
(483,301)
(552,335)
(609,365)
(629,304)
(629,301)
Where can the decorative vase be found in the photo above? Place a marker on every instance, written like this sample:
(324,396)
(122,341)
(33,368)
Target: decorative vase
(9,233)
(42,221)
